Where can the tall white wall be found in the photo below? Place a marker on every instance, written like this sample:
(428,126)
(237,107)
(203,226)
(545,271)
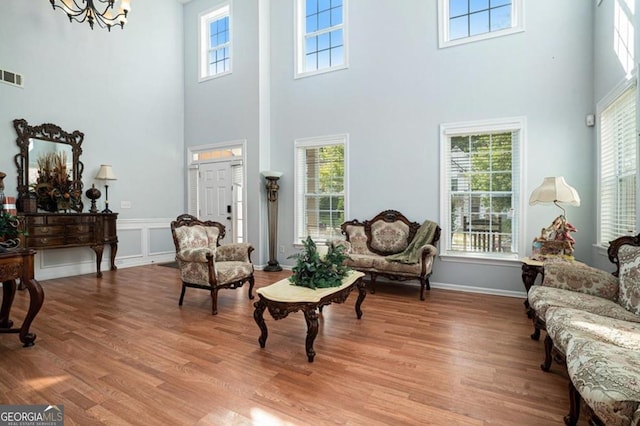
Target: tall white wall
(400,87)
(226,108)
(123,89)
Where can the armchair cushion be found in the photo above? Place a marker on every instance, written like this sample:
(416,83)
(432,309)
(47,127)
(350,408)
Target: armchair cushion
(608,379)
(195,254)
(541,298)
(234,252)
(194,272)
(565,324)
(357,239)
(629,297)
(197,236)
(578,277)
(389,237)
(233,271)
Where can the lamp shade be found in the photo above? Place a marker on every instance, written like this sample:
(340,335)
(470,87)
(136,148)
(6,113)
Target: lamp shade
(555,190)
(272,174)
(106,173)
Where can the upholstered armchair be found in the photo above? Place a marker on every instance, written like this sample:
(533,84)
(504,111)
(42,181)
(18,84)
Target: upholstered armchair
(206,264)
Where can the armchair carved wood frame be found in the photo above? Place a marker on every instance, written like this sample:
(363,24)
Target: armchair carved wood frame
(206,264)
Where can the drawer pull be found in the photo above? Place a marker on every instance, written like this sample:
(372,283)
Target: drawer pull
(44,241)
(44,230)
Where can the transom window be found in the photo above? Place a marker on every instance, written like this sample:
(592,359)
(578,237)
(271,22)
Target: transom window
(618,166)
(321,36)
(463,21)
(215,43)
(481,188)
(321,183)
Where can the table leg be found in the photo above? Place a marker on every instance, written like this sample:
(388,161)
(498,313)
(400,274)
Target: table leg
(258,316)
(362,293)
(36,299)
(311,316)
(8,293)
(98,249)
(114,250)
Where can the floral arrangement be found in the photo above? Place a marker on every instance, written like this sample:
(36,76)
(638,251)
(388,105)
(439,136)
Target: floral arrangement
(313,270)
(54,188)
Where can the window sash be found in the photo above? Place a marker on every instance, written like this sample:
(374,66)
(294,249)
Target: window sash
(215,58)
(618,166)
(481,202)
(313,60)
(452,18)
(320,188)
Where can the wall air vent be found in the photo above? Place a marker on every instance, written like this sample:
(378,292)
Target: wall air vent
(11,78)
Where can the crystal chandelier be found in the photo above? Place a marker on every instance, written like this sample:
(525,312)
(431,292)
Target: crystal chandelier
(89,10)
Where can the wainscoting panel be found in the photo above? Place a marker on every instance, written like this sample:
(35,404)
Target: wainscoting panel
(140,242)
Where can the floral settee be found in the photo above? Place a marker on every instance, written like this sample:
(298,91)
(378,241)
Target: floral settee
(391,246)
(592,321)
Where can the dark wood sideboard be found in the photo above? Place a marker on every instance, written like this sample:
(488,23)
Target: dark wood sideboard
(63,230)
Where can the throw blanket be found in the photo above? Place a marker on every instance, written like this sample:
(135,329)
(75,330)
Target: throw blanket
(411,254)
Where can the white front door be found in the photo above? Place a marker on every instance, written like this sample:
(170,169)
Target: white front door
(216,194)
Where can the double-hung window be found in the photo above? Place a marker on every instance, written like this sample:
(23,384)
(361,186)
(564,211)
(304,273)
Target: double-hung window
(320,36)
(321,183)
(463,21)
(618,165)
(481,201)
(215,42)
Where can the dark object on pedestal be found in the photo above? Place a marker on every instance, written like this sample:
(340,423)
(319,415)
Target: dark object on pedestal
(272,217)
(93,194)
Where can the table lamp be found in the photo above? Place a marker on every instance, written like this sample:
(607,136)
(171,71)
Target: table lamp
(106,174)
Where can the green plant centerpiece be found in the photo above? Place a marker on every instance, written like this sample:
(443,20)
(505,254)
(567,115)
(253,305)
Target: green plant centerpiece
(313,270)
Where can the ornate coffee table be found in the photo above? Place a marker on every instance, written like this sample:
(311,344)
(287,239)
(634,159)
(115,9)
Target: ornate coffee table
(283,298)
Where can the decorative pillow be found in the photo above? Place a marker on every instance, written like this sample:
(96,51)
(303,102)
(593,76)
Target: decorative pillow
(358,239)
(629,297)
(389,237)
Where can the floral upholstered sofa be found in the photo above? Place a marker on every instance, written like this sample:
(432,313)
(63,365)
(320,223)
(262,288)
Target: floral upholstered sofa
(592,320)
(393,247)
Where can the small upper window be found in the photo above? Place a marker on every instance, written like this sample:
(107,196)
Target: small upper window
(321,36)
(215,42)
(464,21)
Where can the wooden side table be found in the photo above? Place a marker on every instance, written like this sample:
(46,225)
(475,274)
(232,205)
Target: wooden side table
(283,298)
(16,264)
(531,268)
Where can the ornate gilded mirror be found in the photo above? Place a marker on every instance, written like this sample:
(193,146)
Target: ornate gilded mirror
(49,168)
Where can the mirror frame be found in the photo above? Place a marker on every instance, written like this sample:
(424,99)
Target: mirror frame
(46,132)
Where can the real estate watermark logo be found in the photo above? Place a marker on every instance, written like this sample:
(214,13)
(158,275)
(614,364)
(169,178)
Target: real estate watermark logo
(31,415)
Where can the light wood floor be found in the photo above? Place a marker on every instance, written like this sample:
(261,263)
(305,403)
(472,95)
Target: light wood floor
(119,350)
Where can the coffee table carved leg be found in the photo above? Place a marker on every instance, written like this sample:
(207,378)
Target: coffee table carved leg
(362,293)
(311,316)
(258,316)
(36,299)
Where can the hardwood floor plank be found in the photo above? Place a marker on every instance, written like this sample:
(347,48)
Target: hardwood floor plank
(119,350)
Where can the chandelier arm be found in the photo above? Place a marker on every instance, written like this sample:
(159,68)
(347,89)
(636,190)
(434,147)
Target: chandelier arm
(89,12)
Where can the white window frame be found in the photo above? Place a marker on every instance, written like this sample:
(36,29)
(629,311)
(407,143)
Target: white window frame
(601,106)
(303,143)
(204,20)
(300,34)
(517,25)
(448,130)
